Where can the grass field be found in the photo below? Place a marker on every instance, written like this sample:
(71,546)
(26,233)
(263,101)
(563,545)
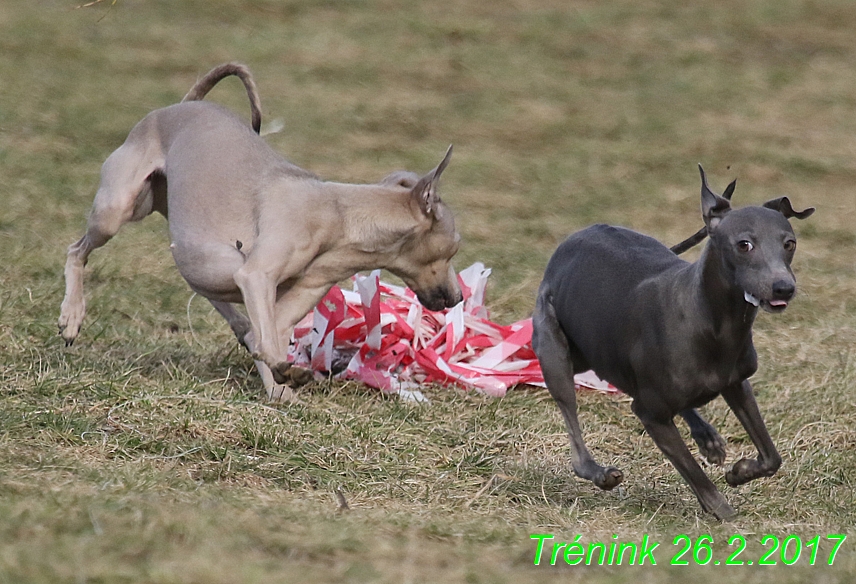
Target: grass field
(145,452)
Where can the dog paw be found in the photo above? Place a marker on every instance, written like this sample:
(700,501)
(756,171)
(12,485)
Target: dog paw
(610,478)
(67,337)
(710,444)
(298,376)
(280,393)
(723,511)
(69,328)
(280,372)
(713,448)
(742,471)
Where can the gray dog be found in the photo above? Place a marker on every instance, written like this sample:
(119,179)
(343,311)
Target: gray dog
(246,226)
(670,334)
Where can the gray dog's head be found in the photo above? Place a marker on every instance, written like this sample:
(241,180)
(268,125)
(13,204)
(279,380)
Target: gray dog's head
(756,246)
(425,260)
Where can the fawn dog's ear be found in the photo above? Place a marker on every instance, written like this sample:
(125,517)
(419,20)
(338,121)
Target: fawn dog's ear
(425,190)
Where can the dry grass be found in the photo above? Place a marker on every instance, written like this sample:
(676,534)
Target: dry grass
(145,454)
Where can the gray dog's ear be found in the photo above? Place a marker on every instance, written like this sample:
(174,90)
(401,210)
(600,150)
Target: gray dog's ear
(699,235)
(783,206)
(425,190)
(729,190)
(713,207)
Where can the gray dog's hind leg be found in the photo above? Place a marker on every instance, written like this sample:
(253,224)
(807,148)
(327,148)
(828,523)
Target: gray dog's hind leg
(741,400)
(551,346)
(710,443)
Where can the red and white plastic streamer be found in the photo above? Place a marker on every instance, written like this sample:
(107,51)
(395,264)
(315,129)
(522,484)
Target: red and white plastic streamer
(393,343)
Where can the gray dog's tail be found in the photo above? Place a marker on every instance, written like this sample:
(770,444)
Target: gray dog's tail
(207,83)
(691,241)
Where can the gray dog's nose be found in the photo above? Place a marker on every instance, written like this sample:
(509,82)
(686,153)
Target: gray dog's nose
(783,290)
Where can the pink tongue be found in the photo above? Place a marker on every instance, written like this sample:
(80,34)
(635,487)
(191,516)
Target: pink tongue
(778,303)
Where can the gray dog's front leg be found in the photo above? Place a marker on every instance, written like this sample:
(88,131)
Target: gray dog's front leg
(668,439)
(742,402)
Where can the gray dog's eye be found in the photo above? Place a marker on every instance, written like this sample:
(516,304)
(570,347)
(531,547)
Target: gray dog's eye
(790,245)
(745,246)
